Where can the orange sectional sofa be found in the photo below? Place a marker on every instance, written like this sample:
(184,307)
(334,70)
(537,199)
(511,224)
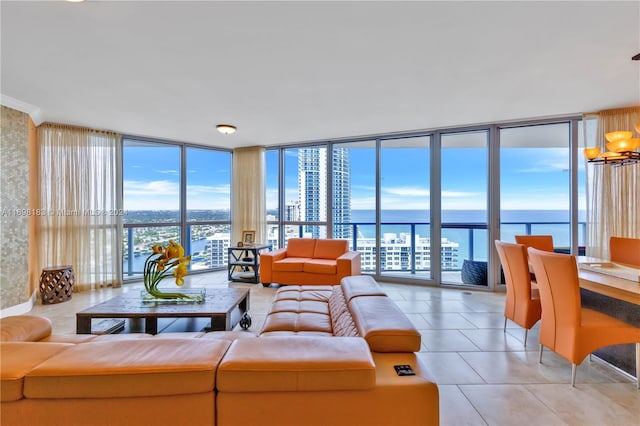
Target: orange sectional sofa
(226,378)
(309,261)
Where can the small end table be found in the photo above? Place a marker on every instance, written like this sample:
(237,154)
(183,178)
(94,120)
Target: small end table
(56,284)
(243,263)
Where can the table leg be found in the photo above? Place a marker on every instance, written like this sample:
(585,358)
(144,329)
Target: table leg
(244,304)
(151,325)
(219,323)
(83,325)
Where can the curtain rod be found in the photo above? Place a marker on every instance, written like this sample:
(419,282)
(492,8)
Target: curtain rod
(613,111)
(79,128)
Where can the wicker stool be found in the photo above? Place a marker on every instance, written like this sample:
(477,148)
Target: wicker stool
(56,284)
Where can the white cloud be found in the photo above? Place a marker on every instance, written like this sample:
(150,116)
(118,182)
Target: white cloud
(167,172)
(406,191)
(155,187)
(195,190)
(546,165)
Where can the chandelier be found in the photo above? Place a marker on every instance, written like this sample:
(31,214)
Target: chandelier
(621,149)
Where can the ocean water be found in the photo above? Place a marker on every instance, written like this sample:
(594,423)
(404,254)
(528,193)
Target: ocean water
(473,242)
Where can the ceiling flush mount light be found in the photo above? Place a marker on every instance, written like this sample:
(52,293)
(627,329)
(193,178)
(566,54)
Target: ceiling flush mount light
(621,147)
(226,129)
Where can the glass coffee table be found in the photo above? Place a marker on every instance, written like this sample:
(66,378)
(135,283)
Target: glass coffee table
(225,307)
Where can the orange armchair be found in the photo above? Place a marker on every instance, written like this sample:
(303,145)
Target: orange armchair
(567,328)
(522,304)
(625,250)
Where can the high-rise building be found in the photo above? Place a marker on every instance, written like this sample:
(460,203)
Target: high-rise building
(341,181)
(312,190)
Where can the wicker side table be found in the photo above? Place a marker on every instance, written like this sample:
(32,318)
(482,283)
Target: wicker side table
(56,284)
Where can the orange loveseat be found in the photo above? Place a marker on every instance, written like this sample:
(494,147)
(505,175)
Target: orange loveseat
(309,261)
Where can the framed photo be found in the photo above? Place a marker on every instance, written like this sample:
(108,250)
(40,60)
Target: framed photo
(248,238)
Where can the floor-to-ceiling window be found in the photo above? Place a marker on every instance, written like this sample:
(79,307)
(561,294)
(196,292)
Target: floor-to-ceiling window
(404,207)
(427,206)
(272,181)
(305,192)
(464,207)
(175,192)
(535,196)
(208,213)
(354,198)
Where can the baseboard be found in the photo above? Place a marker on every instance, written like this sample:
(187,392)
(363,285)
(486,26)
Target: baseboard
(20,309)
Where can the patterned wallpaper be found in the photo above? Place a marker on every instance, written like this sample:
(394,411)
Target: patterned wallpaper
(14,203)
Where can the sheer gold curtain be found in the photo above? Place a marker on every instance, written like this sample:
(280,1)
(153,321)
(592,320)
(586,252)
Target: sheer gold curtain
(249,193)
(80,223)
(613,192)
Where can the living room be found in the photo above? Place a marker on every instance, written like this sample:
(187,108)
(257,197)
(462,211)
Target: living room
(374,76)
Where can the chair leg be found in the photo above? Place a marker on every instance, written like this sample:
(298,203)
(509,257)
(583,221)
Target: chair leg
(540,360)
(504,330)
(526,331)
(573,375)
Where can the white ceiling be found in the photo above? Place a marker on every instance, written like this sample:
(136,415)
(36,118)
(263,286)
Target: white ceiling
(299,71)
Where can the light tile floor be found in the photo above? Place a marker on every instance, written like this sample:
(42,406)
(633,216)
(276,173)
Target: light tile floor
(485,376)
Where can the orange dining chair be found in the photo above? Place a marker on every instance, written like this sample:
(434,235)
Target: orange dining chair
(540,242)
(567,328)
(625,250)
(522,304)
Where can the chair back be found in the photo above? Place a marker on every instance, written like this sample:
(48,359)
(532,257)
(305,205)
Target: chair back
(557,278)
(625,250)
(518,280)
(540,242)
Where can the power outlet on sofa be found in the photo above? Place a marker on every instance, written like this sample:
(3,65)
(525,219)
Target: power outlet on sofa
(404,370)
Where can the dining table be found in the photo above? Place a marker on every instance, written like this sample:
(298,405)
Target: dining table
(613,289)
(615,280)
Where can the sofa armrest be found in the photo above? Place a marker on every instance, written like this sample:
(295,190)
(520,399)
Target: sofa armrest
(24,328)
(383,325)
(266,263)
(348,264)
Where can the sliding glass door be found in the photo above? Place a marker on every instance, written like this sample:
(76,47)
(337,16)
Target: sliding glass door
(464,208)
(404,201)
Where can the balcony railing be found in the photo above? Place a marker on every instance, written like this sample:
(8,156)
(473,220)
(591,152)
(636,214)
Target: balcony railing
(403,254)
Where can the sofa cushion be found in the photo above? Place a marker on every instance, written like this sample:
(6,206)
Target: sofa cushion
(24,328)
(289,264)
(304,292)
(283,364)
(300,306)
(126,368)
(330,249)
(301,247)
(320,266)
(296,333)
(360,285)
(19,358)
(297,321)
(383,325)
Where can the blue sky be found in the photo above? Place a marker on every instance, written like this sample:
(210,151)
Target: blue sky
(151,178)
(531,179)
